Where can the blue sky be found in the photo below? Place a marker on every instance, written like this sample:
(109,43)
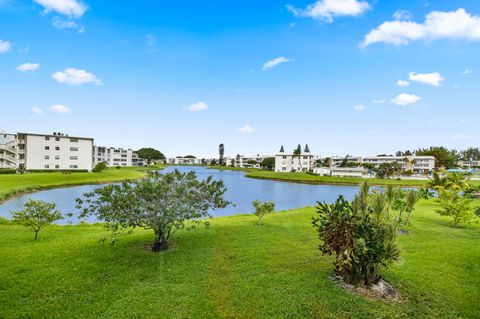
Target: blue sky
(186,76)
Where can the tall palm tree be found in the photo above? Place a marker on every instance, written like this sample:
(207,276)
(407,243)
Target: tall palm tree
(298,153)
(221,151)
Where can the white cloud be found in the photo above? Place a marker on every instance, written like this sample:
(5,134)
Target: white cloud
(467,71)
(196,107)
(433,78)
(405,99)
(57,108)
(67,24)
(5,46)
(403,83)
(272,63)
(28,67)
(379,101)
(327,10)
(438,25)
(246,129)
(359,107)
(36,110)
(402,15)
(70,8)
(74,76)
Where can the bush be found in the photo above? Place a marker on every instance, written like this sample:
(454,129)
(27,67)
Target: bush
(362,235)
(118,167)
(7,171)
(99,167)
(262,209)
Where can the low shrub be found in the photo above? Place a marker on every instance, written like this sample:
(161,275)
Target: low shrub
(99,167)
(7,171)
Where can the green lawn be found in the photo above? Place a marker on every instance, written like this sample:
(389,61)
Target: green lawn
(18,183)
(233,270)
(314,179)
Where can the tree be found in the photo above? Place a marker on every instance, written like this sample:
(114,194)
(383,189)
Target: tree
(36,215)
(213,162)
(437,181)
(298,153)
(150,154)
(99,167)
(221,152)
(387,170)
(268,163)
(252,162)
(444,158)
(262,209)
(163,203)
(362,235)
(455,205)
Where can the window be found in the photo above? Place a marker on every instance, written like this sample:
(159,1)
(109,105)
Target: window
(47,148)
(73,166)
(284,168)
(74,149)
(284,157)
(47,166)
(74,140)
(47,138)
(57,148)
(47,156)
(57,139)
(57,157)
(73,158)
(57,166)
(99,159)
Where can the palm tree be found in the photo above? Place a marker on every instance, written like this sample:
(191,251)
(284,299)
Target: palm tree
(437,182)
(221,151)
(298,153)
(457,181)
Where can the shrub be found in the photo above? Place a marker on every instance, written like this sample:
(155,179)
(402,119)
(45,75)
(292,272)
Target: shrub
(455,205)
(262,209)
(99,167)
(7,171)
(36,215)
(362,235)
(118,167)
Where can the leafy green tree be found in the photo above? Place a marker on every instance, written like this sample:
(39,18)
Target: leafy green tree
(455,205)
(163,203)
(444,158)
(262,209)
(252,162)
(387,170)
(362,235)
(268,163)
(150,154)
(99,167)
(36,215)
(297,153)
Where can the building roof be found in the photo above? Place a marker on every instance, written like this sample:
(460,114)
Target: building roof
(52,135)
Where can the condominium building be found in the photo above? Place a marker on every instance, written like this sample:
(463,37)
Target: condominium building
(417,164)
(179,160)
(243,161)
(290,162)
(116,156)
(8,150)
(55,151)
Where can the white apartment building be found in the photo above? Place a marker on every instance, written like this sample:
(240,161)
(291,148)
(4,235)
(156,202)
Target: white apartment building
(116,156)
(8,150)
(417,164)
(55,151)
(340,171)
(179,160)
(243,161)
(288,162)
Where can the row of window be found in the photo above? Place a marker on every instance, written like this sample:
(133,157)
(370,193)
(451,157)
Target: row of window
(57,157)
(58,166)
(72,139)
(57,148)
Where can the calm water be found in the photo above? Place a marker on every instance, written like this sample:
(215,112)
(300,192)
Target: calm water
(241,192)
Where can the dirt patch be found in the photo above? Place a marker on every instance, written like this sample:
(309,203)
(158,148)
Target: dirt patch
(380,291)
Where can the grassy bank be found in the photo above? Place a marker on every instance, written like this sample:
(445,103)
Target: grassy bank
(314,179)
(233,270)
(11,185)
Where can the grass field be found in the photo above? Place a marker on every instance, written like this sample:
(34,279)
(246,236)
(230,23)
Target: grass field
(233,270)
(14,184)
(314,179)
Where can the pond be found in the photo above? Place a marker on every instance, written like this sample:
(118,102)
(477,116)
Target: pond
(241,192)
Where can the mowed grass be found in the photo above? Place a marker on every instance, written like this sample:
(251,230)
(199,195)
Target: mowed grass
(234,270)
(21,183)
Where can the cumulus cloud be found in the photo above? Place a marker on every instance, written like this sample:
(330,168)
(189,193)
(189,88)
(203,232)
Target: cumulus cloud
(74,76)
(67,24)
(5,46)
(379,101)
(196,107)
(36,110)
(28,67)
(403,83)
(433,78)
(70,8)
(405,99)
(246,129)
(437,25)
(359,107)
(402,15)
(58,108)
(272,63)
(327,10)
